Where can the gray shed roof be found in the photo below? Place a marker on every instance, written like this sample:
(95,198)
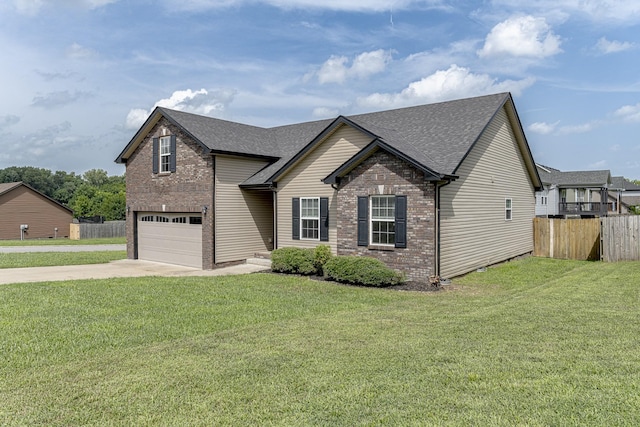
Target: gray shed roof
(436,136)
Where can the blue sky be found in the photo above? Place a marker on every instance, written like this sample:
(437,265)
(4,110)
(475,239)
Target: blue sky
(80,76)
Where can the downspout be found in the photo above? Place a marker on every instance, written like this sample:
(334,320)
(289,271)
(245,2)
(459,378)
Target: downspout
(437,233)
(275,216)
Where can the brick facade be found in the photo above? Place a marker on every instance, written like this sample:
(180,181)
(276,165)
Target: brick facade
(385,174)
(186,190)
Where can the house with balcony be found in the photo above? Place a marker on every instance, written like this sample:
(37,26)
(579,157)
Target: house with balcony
(574,194)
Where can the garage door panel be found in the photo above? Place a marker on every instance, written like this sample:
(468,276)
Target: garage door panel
(173,243)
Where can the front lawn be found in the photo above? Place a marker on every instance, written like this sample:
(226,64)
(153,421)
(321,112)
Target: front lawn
(63,241)
(534,342)
(48,259)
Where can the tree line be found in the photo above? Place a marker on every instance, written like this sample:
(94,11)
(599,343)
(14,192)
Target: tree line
(93,193)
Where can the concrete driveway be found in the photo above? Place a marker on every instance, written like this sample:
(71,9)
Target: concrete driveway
(120,268)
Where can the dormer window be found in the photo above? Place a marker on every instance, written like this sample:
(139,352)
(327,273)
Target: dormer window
(164,154)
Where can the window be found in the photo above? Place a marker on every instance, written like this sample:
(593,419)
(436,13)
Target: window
(165,154)
(161,218)
(383,220)
(195,220)
(147,218)
(179,219)
(310,218)
(508,208)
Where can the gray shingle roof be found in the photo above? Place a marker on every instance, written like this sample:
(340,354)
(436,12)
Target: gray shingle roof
(599,178)
(438,136)
(621,183)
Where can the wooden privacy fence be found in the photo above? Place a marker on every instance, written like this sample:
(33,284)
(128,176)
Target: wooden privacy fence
(621,238)
(567,238)
(94,231)
(610,239)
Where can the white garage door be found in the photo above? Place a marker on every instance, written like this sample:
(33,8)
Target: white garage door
(174,238)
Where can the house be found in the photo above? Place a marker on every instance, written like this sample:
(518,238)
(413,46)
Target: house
(574,194)
(625,193)
(438,189)
(21,205)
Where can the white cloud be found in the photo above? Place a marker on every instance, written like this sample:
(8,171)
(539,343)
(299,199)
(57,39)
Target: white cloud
(583,128)
(33,7)
(629,113)
(521,36)
(605,46)
(455,82)
(8,120)
(337,70)
(198,102)
(58,99)
(601,164)
(341,5)
(543,128)
(77,51)
(325,113)
(596,10)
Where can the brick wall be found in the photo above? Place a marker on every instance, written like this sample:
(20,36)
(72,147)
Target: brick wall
(385,174)
(187,190)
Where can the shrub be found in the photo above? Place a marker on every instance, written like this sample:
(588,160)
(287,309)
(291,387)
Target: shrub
(321,255)
(293,261)
(361,271)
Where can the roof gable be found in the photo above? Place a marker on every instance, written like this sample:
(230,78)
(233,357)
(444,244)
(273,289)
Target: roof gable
(11,186)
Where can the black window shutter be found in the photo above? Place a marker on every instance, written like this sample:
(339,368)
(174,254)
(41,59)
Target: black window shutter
(172,157)
(363,221)
(401,221)
(155,159)
(295,214)
(324,219)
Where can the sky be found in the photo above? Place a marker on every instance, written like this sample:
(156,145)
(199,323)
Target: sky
(79,77)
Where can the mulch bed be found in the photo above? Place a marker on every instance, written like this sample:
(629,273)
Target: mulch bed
(414,286)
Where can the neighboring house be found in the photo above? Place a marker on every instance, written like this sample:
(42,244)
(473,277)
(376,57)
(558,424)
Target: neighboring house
(22,205)
(438,189)
(625,193)
(574,194)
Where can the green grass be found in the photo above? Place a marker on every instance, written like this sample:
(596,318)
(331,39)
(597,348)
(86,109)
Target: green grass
(47,259)
(535,342)
(62,241)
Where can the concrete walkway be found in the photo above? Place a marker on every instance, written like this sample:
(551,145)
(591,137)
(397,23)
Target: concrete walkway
(62,248)
(120,268)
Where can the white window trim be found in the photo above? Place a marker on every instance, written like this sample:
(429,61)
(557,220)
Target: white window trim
(162,155)
(508,211)
(302,218)
(387,219)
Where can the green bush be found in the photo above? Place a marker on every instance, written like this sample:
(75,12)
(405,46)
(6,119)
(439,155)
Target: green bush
(293,261)
(364,271)
(321,255)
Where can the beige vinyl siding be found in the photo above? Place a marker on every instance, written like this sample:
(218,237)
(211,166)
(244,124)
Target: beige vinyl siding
(305,180)
(473,229)
(243,218)
(22,205)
